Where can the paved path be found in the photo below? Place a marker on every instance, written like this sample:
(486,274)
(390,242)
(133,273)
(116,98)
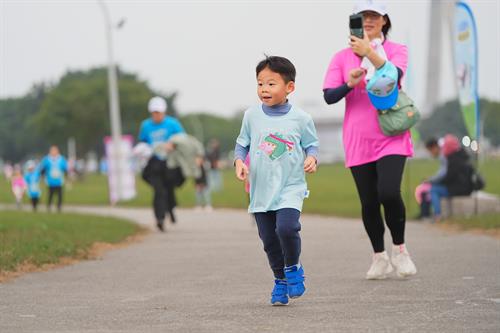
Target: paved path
(209,274)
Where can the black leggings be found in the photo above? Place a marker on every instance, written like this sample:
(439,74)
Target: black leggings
(156,174)
(57,190)
(379,183)
(34,203)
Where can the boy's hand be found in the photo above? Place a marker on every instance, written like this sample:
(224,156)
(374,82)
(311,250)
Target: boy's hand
(241,170)
(310,164)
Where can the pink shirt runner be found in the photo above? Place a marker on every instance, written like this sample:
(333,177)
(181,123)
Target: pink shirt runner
(364,141)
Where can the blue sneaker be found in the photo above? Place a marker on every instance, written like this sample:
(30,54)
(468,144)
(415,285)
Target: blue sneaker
(279,296)
(295,281)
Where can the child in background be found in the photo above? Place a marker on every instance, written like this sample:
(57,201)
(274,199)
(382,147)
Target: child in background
(18,186)
(282,145)
(203,199)
(423,197)
(32,178)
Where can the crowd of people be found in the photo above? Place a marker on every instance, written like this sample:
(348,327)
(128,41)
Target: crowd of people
(52,168)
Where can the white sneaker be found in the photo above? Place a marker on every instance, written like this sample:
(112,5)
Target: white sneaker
(401,260)
(381,266)
(208,208)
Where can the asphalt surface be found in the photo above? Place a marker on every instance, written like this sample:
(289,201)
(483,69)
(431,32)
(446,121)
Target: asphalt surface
(209,273)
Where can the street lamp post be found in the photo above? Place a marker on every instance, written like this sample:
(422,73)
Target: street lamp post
(114,103)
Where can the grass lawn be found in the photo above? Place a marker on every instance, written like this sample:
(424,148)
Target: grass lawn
(43,238)
(485,221)
(332,189)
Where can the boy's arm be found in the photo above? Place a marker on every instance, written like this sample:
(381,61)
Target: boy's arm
(241,149)
(240,152)
(243,140)
(312,151)
(310,144)
(309,139)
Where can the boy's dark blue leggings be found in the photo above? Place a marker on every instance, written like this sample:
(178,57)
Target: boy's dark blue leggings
(279,231)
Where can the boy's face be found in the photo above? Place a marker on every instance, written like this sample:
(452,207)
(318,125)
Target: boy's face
(271,87)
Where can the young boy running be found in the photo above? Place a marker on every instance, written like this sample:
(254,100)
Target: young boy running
(282,142)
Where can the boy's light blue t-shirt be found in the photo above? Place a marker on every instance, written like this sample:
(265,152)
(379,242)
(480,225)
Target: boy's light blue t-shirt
(277,143)
(32,179)
(157,133)
(54,169)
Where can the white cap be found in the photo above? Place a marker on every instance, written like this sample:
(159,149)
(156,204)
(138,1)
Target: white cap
(370,5)
(30,164)
(157,104)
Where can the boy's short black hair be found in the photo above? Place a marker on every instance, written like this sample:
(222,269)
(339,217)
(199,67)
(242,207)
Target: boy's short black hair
(432,142)
(280,65)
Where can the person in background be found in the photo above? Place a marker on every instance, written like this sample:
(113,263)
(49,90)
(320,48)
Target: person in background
(18,186)
(214,173)
(32,178)
(423,198)
(454,177)
(376,161)
(203,196)
(156,131)
(54,167)
(186,159)
(8,170)
(432,146)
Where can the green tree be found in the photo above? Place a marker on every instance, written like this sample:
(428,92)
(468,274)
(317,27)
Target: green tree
(77,107)
(490,115)
(17,137)
(205,126)
(447,118)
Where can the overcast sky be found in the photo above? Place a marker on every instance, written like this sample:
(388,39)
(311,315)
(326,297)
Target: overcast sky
(207,50)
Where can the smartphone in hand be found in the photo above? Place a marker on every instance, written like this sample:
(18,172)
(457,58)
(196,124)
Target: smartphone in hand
(356,25)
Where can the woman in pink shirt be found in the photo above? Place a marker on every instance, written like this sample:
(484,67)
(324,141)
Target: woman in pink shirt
(376,161)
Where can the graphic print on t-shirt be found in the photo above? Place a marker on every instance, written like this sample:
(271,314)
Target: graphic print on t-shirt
(274,145)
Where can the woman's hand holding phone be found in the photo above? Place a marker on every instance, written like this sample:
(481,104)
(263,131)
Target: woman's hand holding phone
(360,46)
